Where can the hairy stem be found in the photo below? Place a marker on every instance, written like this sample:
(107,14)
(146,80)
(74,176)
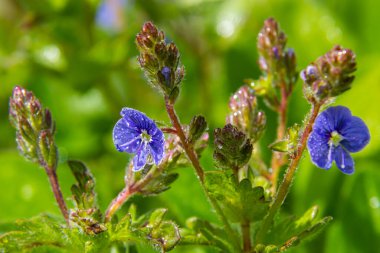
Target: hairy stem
(190,152)
(117,202)
(131,188)
(288,178)
(278,158)
(53,179)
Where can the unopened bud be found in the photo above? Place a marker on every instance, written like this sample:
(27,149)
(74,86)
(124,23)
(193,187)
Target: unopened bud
(245,115)
(160,61)
(232,148)
(330,75)
(34,127)
(197,127)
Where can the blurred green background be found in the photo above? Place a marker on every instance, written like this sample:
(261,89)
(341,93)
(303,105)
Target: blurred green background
(79,58)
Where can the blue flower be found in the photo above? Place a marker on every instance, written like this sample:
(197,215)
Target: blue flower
(335,134)
(138,134)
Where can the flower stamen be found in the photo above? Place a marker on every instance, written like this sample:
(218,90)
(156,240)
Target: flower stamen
(145,137)
(335,139)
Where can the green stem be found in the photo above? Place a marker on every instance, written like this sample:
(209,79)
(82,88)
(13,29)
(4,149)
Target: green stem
(190,152)
(246,233)
(288,178)
(278,158)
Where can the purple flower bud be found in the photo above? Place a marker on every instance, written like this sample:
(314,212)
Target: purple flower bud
(330,75)
(244,113)
(159,60)
(166,72)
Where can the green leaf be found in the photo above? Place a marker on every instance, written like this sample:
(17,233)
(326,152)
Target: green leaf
(201,232)
(147,229)
(290,231)
(240,201)
(162,233)
(156,217)
(36,232)
(261,248)
(159,184)
(86,215)
(252,200)
(279,146)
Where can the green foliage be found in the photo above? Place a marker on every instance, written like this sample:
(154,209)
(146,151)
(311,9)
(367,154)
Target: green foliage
(47,233)
(93,73)
(43,230)
(86,214)
(240,201)
(151,229)
(290,231)
(201,232)
(289,144)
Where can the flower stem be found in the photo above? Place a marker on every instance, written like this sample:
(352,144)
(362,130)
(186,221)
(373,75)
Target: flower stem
(278,158)
(288,178)
(53,179)
(117,202)
(190,152)
(131,188)
(246,232)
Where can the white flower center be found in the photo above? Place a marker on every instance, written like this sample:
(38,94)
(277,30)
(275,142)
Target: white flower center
(335,139)
(145,137)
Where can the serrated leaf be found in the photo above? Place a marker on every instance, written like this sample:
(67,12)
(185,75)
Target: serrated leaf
(38,231)
(166,234)
(254,206)
(240,202)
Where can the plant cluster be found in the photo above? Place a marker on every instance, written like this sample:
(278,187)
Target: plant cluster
(245,193)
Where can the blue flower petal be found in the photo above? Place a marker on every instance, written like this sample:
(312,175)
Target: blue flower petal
(130,135)
(344,160)
(157,151)
(126,138)
(332,119)
(338,117)
(320,151)
(356,135)
(139,160)
(137,119)
(157,145)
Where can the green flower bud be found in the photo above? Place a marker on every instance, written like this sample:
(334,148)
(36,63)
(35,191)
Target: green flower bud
(198,126)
